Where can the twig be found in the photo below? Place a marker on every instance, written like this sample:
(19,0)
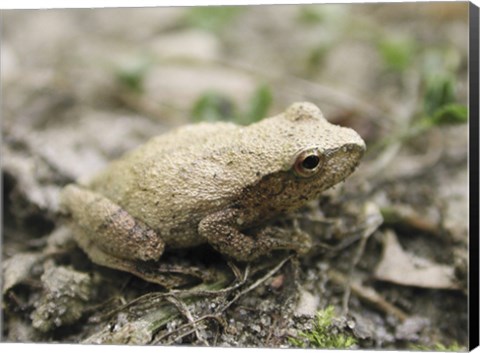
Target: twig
(197,291)
(255,285)
(236,271)
(353,264)
(373,220)
(182,335)
(369,295)
(181,327)
(183,309)
(221,309)
(404,112)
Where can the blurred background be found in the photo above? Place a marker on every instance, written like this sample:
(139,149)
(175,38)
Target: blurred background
(81,87)
(376,67)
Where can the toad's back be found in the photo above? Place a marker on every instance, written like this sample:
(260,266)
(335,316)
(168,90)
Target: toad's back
(173,180)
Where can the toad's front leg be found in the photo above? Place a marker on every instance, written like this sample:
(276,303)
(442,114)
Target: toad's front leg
(221,230)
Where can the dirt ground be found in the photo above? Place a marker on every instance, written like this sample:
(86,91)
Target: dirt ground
(82,87)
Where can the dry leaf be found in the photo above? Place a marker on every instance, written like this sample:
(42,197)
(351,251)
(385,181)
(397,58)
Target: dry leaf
(402,268)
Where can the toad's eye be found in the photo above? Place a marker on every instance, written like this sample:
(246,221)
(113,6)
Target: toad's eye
(308,163)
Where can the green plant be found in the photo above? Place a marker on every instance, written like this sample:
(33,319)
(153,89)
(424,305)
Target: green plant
(259,104)
(398,54)
(310,15)
(322,335)
(212,18)
(439,107)
(132,73)
(213,106)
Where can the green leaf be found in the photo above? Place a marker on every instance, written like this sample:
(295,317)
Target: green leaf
(132,74)
(213,107)
(310,15)
(260,102)
(212,18)
(316,57)
(451,114)
(296,342)
(439,92)
(397,54)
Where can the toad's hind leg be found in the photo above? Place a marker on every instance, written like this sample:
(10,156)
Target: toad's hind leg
(109,234)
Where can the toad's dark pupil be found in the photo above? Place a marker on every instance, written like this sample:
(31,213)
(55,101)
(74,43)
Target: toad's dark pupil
(311,162)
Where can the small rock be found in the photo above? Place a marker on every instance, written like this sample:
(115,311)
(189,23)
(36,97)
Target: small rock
(409,329)
(187,44)
(66,293)
(307,304)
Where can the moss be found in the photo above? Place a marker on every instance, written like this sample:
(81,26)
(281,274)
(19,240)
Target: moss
(323,334)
